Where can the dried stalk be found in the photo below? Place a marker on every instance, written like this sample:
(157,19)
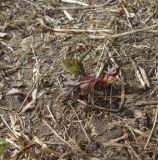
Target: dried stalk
(147,29)
(153,128)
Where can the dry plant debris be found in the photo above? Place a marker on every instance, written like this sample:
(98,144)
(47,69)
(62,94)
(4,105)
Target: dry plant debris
(86,85)
(121,120)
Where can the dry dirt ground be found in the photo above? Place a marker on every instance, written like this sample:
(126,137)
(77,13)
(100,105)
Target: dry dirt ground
(35,35)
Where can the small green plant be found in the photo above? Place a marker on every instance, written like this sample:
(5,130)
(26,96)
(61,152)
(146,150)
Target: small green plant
(86,85)
(73,66)
(3,147)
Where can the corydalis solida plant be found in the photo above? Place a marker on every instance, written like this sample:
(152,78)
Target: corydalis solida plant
(87,85)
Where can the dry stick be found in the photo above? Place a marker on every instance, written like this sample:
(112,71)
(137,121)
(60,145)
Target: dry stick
(9,72)
(45,147)
(77,31)
(110,56)
(120,105)
(130,129)
(68,15)
(138,73)
(80,122)
(65,30)
(34,85)
(85,7)
(110,100)
(154,125)
(146,103)
(6,109)
(76,2)
(143,134)
(57,135)
(127,15)
(126,33)
(4,121)
(76,115)
(134,31)
(113,141)
(73,147)
(107,31)
(100,70)
(48,107)
(18,146)
(131,150)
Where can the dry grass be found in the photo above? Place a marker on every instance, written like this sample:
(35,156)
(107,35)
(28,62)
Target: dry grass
(35,36)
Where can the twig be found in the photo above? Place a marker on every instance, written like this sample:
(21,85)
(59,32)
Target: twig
(98,74)
(48,107)
(154,125)
(11,71)
(74,147)
(143,134)
(6,109)
(85,7)
(100,70)
(146,103)
(80,122)
(68,15)
(135,31)
(31,90)
(120,105)
(130,129)
(57,135)
(127,15)
(76,2)
(126,33)
(113,141)
(131,150)
(4,121)
(77,31)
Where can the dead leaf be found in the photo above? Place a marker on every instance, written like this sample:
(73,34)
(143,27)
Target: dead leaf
(15,91)
(87,85)
(2,35)
(71,92)
(111,74)
(72,83)
(26,44)
(85,89)
(114,71)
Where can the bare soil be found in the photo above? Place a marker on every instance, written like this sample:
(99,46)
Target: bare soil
(35,122)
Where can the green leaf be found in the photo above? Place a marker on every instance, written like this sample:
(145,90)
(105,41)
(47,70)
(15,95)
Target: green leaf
(73,66)
(3,147)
